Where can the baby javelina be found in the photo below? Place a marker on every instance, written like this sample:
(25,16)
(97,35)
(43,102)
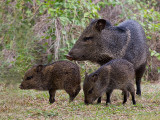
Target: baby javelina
(56,76)
(116,74)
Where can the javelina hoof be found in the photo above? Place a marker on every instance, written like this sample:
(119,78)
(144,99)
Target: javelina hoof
(138,93)
(86,102)
(99,100)
(108,103)
(51,101)
(134,103)
(71,99)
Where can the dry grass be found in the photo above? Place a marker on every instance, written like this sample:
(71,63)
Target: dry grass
(34,105)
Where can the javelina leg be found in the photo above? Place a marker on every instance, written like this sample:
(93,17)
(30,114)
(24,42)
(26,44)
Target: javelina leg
(52,95)
(71,97)
(125,96)
(99,100)
(77,91)
(139,74)
(108,95)
(133,98)
(69,89)
(71,94)
(131,89)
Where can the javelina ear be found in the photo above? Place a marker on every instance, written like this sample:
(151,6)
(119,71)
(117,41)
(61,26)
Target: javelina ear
(39,68)
(95,77)
(101,24)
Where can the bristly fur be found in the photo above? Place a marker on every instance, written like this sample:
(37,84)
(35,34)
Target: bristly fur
(56,76)
(106,42)
(116,74)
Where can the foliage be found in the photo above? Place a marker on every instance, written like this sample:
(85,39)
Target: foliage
(16,36)
(21,46)
(154,53)
(146,13)
(17,29)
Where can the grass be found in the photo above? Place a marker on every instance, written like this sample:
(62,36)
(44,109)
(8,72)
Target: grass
(34,105)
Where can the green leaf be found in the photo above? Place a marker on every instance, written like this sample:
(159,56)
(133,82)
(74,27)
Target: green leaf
(86,14)
(158,57)
(153,52)
(156,54)
(148,37)
(64,20)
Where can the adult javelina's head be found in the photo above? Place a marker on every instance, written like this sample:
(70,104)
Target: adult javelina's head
(33,78)
(89,44)
(92,88)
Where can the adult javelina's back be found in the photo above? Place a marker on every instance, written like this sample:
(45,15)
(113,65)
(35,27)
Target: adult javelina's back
(59,75)
(101,42)
(116,74)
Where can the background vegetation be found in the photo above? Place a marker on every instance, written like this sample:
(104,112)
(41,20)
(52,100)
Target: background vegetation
(43,31)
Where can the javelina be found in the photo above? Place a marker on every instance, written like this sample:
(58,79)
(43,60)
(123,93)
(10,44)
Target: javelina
(58,75)
(101,42)
(116,74)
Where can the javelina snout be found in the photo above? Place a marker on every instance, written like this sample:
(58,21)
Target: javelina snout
(69,57)
(75,55)
(60,75)
(21,86)
(24,87)
(86,102)
(89,100)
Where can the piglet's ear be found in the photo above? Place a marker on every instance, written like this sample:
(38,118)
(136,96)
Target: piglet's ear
(95,77)
(101,24)
(39,68)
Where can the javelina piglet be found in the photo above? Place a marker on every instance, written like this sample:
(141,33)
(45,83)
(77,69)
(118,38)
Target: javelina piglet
(116,74)
(56,76)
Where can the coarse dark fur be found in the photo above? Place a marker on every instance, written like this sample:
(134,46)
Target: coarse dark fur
(57,76)
(101,42)
(116,74)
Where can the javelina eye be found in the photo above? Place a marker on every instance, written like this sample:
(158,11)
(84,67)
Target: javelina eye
(90,91)
(30,77)
(87,38)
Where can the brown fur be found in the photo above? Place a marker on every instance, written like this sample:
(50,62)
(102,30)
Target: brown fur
(116,74)
(101,42)
(59,75)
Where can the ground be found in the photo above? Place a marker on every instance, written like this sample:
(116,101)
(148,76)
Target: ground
(34,105)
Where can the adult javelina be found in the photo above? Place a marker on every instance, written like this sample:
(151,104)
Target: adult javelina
(59,75)
(116,74)
(101,42)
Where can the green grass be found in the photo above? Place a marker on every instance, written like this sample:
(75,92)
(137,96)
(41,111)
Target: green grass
(30,104)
